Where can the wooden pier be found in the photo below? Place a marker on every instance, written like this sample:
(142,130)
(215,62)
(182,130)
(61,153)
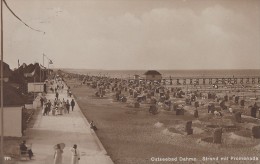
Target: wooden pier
(210,80)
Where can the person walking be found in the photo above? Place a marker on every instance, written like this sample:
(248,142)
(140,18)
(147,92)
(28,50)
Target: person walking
(45,108)
(58,155)
(42,100)
(68,92)
(60,109)
(55,101)
(68,106)
(75,155)
(57,95)
(53,110)
(58,102)
(72,103)
(56,110)
(49,107)
(64,106)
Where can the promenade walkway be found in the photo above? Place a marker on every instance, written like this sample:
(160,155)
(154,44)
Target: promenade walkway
(72,128)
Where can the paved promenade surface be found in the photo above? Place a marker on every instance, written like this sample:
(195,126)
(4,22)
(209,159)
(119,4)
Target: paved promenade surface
(72,128)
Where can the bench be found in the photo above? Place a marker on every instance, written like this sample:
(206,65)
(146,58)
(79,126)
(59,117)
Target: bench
(23,155)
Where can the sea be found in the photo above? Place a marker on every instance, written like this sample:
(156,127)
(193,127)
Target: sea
(236,73)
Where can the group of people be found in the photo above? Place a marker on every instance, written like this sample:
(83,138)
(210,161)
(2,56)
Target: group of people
(58,107)
(25,149)
(69,93)
(59,151)
(56,85)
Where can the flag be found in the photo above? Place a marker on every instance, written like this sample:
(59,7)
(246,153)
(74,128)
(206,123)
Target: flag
(50,62)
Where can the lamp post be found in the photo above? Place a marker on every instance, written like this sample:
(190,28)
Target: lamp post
(48,69)
(2,86)
(43,66)
(40,73)
(43,59)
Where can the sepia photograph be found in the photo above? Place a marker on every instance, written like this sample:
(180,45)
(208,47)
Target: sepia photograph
(130,82)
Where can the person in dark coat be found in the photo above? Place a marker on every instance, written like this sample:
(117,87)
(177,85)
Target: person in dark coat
(75,155)
(57,95)
(45,109)
(93,126)
(72,103)
(42,100)
(68,106)
(48,107)
(24,148)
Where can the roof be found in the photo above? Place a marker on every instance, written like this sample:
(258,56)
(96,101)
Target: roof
(7,70)
(28,73)
(152,72)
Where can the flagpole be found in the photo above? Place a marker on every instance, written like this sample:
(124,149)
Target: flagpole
(43,66)
(48,69)
(40,73)
(2,84)
(18,66)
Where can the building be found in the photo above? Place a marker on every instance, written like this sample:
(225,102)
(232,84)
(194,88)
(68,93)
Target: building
(153,75)
(13,111)
(136,77)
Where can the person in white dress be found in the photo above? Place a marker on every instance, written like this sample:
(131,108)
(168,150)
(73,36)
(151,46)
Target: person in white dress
(75,155)
(58,155)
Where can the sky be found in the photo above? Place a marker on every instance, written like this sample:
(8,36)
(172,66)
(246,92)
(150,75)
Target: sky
(134,34)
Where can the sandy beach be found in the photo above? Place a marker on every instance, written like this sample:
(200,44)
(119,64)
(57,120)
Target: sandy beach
(133,135)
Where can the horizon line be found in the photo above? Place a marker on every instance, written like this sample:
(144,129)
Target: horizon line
(157,69)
